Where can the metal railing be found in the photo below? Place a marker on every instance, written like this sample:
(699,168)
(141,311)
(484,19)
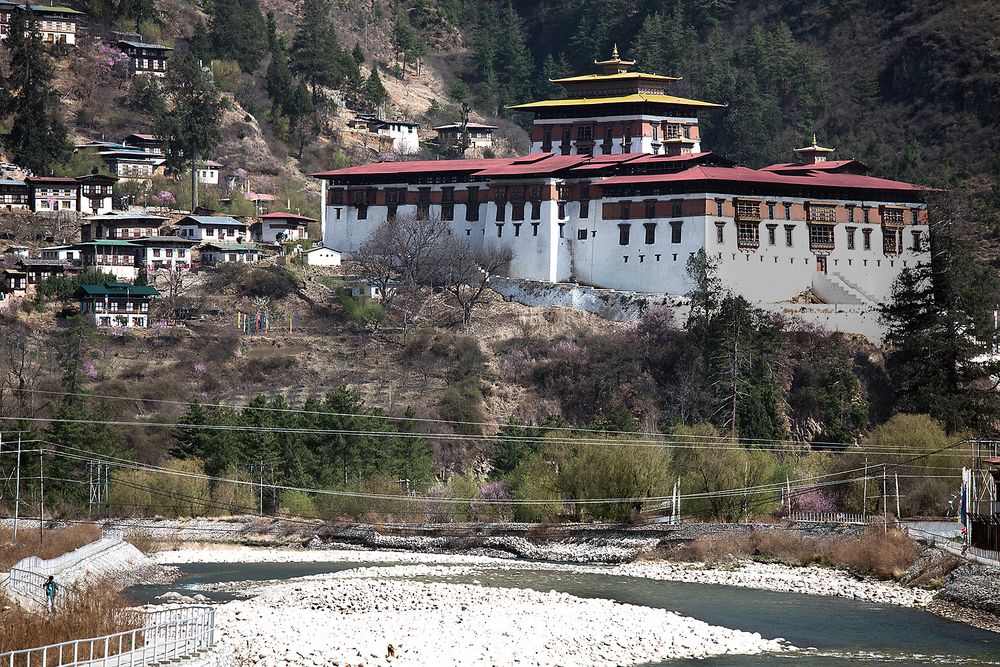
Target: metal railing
(31,584)
(168,634)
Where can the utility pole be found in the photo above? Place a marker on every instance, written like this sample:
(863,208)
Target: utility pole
(17,487)
(885,499)
(898,513)
(864,502)
(41,494)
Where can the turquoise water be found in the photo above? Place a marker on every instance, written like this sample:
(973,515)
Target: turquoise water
(837,631)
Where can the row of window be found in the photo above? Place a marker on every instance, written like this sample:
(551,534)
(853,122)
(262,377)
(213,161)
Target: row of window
(121,306)
(169,252)
(649,232)
(821,237)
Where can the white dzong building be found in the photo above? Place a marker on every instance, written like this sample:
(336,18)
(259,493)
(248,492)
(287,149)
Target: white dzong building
(618,192)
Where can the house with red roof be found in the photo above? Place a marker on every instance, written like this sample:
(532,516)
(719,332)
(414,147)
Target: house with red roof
(50,194)
(626,203)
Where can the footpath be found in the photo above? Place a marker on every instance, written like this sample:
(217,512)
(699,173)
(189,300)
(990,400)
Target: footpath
(182,635)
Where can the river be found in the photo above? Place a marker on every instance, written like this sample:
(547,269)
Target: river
(836,631)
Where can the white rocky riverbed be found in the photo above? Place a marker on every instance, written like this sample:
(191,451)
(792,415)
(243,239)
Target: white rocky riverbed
(360,619)
(747,574)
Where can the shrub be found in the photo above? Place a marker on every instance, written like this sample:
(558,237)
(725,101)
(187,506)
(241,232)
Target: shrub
(884,554)
(486,507)
(360,310)
(462,403)
(298,503)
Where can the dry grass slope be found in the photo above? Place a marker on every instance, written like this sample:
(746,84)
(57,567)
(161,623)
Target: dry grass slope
(53,543)
(98,610)
(882,554)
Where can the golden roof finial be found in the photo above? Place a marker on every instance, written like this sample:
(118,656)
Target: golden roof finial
(614,52)
(814,139)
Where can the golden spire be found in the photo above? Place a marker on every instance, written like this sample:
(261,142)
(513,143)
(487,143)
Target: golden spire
(813,153)
(614,65)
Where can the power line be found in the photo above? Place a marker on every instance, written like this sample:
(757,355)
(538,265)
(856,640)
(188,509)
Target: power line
(665,443)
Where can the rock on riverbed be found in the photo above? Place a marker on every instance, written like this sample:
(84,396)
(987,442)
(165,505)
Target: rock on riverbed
(336,620)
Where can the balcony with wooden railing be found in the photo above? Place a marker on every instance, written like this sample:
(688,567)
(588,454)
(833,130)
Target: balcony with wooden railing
(826,214)
(892,217)
(747,211)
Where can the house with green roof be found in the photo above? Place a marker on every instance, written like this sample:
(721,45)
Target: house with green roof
(56,25)
(116,304)
(120,258)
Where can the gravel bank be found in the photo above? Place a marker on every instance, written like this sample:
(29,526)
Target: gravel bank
(748,574)
(351,619)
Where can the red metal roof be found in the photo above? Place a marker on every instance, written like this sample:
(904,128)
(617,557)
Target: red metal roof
(414,167)
(286,216)
(50,179)
(540,168)
(746,175)
(718,168)
(827,165)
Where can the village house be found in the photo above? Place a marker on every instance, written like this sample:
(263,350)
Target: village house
(166,253)
(96,192)
(213,254)
(145,57)
(280,228)
(14,285)
(56,25)
(39,270)
(61,253)
(607,199)
(116,304)
(262,202)
(121,259)
(322,256)
(131,163)
(392,135)
(479,135)
(13,194)
(17,250)
(50,194)
(147,143)
(121,225)
(208,172)
(220,228)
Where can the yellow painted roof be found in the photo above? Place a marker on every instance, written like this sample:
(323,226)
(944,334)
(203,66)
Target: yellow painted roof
(615,77)
(661,99)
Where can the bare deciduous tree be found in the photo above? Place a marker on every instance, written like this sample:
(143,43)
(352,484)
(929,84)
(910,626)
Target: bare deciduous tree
(400,259)
(465,271)
(22,364)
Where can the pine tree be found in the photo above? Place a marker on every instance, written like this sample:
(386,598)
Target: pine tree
(279,77)
(37,138)
(200,45)
(238,32)
(374,91)
(192,126)
(301,118)
(940,321)
(666,43)
(357,53)
(316,55)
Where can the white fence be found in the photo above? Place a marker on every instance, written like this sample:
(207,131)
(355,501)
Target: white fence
(56,565)
(166,635)
(851,518)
